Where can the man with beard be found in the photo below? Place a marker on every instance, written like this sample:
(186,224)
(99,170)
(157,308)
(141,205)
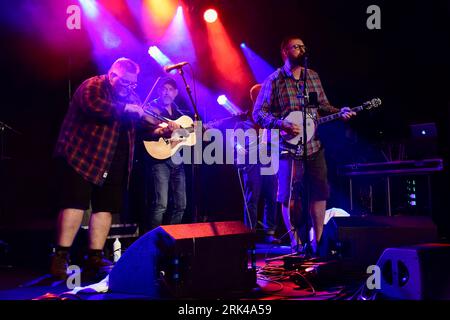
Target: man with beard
(167,179)
(94,155)
(281,94)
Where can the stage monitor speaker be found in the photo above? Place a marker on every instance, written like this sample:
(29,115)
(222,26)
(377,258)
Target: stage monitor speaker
(202,260)
(416,272)
(359,241)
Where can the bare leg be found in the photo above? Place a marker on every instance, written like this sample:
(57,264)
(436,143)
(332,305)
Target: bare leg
(285,211)
(317,211)
(69,222)
(99,226)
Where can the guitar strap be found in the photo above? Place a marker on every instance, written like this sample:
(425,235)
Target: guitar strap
(176,112)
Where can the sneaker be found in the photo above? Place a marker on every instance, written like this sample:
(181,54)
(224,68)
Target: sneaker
(96,268)
(59,263)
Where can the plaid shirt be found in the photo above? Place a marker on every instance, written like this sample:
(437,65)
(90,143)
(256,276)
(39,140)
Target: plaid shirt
(90,131)
(278,97)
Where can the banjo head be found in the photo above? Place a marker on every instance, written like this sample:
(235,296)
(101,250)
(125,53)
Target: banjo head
(297,118)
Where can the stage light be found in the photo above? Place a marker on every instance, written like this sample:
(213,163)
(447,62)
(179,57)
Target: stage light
(222,99)
(228,105)
(159,57)
(210,15)
(90,8)
(243,46)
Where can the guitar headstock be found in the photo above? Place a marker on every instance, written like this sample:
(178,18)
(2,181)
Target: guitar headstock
(374,103)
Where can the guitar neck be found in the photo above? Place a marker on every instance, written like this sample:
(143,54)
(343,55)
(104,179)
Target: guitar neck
(337,115)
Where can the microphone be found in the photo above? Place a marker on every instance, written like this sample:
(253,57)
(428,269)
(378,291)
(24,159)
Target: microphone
(175,66)
(304,58)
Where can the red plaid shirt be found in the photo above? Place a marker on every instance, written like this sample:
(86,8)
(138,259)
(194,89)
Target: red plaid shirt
(279,96)
(90,131)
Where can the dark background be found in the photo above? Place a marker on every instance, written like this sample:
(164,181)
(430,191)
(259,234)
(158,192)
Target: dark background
(405,64)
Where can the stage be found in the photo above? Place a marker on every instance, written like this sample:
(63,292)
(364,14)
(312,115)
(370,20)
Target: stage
(385,168)
(273,283)
(222,261)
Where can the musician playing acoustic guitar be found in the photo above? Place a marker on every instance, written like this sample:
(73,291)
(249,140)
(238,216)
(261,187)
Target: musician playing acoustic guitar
(168,180)
(279,96)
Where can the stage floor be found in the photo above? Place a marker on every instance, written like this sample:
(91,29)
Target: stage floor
(280,276)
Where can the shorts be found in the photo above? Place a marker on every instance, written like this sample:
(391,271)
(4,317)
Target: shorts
(316,177)
(75,192)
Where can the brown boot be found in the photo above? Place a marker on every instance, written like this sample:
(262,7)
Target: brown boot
(59,263)
(96,267)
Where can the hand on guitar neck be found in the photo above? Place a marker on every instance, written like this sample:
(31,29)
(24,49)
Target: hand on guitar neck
(347,113)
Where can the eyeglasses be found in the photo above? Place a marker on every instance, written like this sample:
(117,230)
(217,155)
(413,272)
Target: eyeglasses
(126,83)
(298,47)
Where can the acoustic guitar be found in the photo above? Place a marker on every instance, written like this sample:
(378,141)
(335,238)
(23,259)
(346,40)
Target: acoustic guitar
(164,148)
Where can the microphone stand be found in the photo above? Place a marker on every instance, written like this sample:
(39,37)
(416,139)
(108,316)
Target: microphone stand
(189,91)
(195,170)
(304,97)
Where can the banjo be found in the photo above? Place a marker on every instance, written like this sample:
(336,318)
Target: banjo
(296,117)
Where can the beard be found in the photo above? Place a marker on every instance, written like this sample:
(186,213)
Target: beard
(297,61)
(121,93)
(167,100)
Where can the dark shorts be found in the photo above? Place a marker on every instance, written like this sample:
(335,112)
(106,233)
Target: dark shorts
(316,178)
(77,193)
